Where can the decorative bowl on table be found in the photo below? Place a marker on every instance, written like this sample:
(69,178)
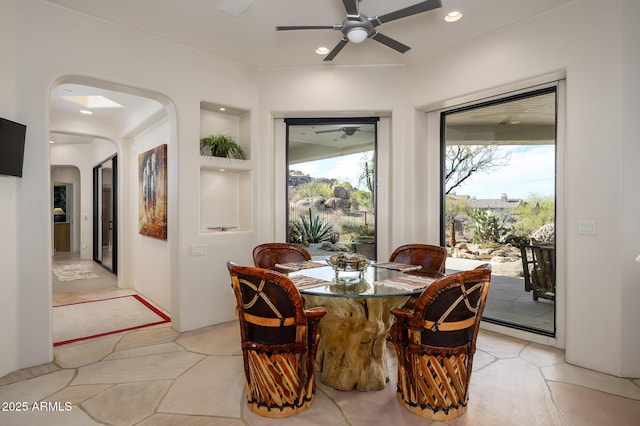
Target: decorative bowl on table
(348,262)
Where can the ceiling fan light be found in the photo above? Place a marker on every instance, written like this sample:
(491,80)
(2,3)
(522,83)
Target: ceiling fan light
(357,35)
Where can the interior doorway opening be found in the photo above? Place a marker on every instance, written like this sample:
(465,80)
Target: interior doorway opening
(96,126)
(63,217)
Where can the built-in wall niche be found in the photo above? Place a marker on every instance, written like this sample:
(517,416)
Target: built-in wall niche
(235,122)
(225,200)
(225,184)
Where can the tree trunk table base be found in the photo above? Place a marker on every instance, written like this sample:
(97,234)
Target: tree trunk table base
(351,352)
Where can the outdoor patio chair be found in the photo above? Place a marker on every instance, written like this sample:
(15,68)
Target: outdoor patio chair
(269,254)
(539,269)
(279,341)
(435,342)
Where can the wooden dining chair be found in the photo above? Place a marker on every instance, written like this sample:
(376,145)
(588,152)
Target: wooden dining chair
(279,341)
(430,257)
(269,254)
(435,342)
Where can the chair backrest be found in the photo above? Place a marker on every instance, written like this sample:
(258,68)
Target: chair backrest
(269,305)
(268,254)
(448,312)
(430,257)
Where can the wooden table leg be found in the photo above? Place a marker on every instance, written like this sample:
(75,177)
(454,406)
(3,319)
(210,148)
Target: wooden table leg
(351,352)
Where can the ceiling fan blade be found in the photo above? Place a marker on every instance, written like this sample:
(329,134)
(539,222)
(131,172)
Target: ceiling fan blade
(328,131)
(305,27)
(342,43)
(352,7)
(387,41)
(424,6)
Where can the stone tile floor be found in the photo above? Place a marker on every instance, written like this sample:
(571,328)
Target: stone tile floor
(157,376)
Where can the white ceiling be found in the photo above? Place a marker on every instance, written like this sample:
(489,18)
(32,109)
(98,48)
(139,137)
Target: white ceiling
(251,37)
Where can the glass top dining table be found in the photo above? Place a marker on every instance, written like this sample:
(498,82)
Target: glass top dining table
(374,281)
(353,332)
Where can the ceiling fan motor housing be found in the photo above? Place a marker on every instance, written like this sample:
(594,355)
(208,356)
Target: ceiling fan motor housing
(362,22)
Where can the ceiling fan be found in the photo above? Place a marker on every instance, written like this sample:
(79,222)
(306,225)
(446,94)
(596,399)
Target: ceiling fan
(358,27)
(347,131)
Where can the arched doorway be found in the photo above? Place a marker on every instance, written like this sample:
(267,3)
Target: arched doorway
(96,127)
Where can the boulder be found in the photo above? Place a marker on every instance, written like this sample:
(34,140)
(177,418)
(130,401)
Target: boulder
(338,203)
(316,204)
(545,234)
(341,192)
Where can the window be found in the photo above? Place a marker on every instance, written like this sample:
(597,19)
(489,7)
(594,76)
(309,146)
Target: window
(331,189)
(499,202)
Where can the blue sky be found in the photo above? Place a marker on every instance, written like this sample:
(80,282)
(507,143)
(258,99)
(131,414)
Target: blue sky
(531,170)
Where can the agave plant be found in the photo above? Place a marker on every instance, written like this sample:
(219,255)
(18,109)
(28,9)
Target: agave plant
(311,230)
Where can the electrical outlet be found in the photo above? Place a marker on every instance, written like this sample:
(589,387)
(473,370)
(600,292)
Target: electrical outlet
(198,250)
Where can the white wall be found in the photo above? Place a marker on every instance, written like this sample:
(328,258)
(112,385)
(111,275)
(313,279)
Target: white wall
(181,78)
(630,194)
(333,92)
(590,54)
(8,198)
(150,257)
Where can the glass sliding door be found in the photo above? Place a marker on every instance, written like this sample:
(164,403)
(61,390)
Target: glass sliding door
(331,189)
(499,196)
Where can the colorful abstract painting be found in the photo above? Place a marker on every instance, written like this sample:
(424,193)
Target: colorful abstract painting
(152,194)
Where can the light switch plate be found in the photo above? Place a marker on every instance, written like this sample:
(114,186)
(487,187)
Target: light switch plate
(587,227)
(198,250)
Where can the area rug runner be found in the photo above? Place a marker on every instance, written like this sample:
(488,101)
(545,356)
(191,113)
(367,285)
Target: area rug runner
(72,272)
(95,318)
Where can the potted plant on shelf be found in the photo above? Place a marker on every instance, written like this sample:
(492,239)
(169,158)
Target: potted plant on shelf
(222,145)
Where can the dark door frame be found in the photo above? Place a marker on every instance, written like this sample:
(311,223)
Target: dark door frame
(97,226)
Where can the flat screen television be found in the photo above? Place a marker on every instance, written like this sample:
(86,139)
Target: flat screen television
(12,137)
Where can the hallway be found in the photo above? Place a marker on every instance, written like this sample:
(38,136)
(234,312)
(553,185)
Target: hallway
(105,285)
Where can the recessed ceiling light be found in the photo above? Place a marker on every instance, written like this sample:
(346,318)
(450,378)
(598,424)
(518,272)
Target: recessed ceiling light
(223,109)
(85,111)
(453,16)
(51,142)
(322,50)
